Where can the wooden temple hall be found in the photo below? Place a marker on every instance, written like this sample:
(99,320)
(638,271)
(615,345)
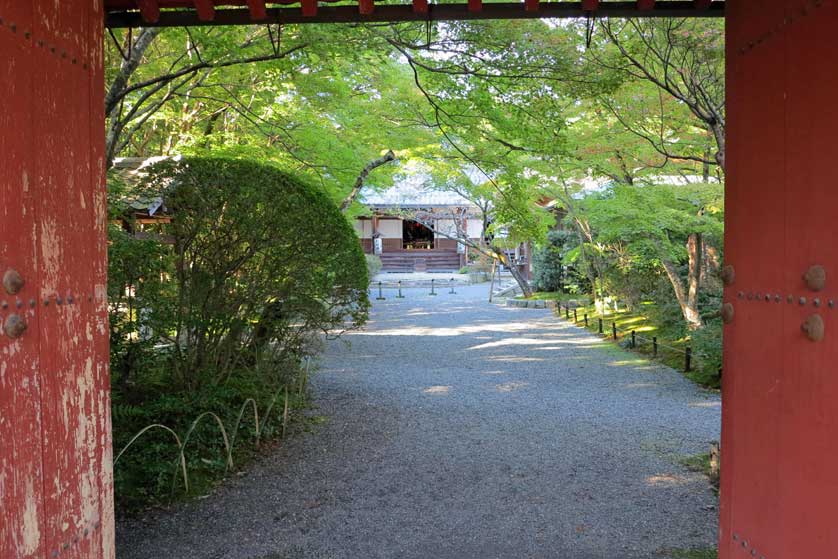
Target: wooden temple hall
(415,229)
(779,486)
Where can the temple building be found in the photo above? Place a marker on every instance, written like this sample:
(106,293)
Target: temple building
(415,229)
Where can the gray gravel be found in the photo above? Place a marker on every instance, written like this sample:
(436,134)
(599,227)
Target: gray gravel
(458,429)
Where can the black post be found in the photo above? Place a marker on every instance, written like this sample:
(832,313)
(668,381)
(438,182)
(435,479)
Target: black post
(600,325)
(654,346)
(380,296)
(451,283)
(586,320)
(432,287)
(575,316)
(567,312)
(633,340)
(400,296)
(614,330)
(688,358)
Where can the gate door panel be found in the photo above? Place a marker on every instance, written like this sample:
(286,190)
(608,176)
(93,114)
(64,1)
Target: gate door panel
(780,418)
(55,442)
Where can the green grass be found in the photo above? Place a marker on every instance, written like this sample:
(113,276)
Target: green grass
(698,463)
(671,347)
(554,296)
(701,463)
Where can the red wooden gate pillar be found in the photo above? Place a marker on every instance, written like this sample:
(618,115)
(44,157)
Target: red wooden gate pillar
(780,417)
(55,442)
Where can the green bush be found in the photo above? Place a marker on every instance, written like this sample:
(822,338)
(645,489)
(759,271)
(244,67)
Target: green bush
(221,304)
(707,347)
(548,272)
(259,263)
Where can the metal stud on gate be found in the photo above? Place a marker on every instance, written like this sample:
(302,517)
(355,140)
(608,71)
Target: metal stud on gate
(728,275)
(12,282)
(727,313)
(815,277)
(15,326)
(814,328)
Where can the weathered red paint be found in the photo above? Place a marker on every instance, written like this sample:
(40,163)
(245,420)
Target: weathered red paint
(780,418)
(55,442)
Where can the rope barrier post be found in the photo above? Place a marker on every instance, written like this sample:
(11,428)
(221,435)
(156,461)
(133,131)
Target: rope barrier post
(654,346)
(400,296)
(688,357)
(633,340)
(380,295)
(614,330)
(575,316)
(600,325)
(451,283)
(586,320)
(432,287)
(567,312)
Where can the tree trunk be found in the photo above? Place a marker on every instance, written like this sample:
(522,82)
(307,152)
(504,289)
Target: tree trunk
(695,243)
(526,289)
(492,280)
(591,264)
(687,297)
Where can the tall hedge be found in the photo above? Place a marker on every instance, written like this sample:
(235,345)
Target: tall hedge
(254,264)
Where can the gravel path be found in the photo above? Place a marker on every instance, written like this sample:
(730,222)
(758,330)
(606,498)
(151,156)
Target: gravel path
(458,429)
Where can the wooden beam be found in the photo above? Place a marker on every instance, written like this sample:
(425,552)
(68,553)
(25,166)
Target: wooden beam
(205,9)
(366,7)
(531,5)
(149,10)
(645,5)
(309,8)
(590,5)
(475,5)
(703,4)
(420,6)
(405,12)
(257,9)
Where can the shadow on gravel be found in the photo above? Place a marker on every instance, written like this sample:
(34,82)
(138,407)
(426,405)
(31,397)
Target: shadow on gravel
(462,430)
